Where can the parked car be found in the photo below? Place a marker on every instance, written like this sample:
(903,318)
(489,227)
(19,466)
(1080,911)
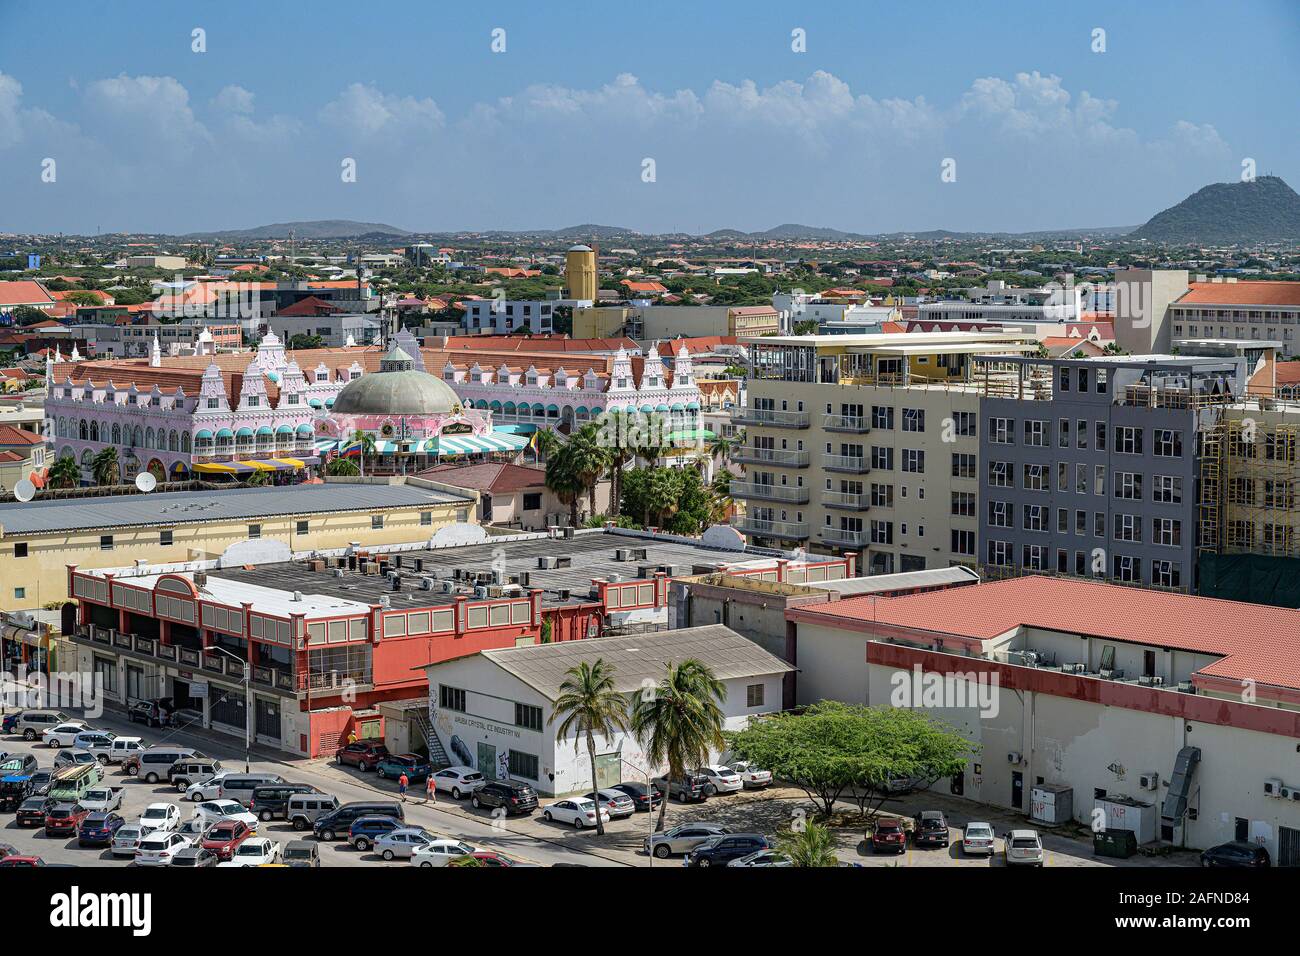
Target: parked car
(8,849)
(17,780)
(151,713)
(159,848)
(513,796)
(682,838)
(190,770)
(301,853)
(8,721)
(721,850)
(362,754)
(402,842)
(1023,848)
(978,838)
(126,840)
(195,829)
(615,802)
(32,811)
(751,776)
(328,826)
(931,829)
(762,858)
(98,742)
(224,836)
(99,827)
(255,851)
(889,836)
(492,858)
(63,819)
(440,852)
(720,779)
(644,797)
(124,747)
(153,763)
(1240,854)
(194,856)
(212,811)
(458,781)
(365,830)
(62,735)
(73,758)
(208,789)
(240,786)
(33,723)
(163,817)
(20,764)
(22,861)
(41,780)
(271,800)
(577,812)
(103,798)
(303,809)
(692,788)
(415,767)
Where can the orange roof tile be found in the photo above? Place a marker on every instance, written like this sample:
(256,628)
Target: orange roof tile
(1242,293)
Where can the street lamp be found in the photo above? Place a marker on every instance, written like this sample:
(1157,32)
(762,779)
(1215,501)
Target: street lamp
(650,814)
(248,700)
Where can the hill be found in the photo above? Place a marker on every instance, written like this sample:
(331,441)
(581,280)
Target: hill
(310,229)
(1263,210)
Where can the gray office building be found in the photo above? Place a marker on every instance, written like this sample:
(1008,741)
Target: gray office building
(1089,466)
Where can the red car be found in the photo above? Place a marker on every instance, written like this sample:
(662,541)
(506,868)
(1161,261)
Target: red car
(889,836)
(22,861)
(65,819)
(488,858)
(362,754)
(224,836)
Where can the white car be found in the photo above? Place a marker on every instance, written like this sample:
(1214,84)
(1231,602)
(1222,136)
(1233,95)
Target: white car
(126,840)
(210,811)
(440,852)
(255,851)
(64,734)
(578,812)
(751,777)
(208,789)
(160,818)
(762,858)
(158,848)
(1023,848)
(721,779)
(98,742)
(458,781)
(978,838)
(194,828)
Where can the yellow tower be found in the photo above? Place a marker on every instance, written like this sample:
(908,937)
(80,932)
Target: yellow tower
(580,273)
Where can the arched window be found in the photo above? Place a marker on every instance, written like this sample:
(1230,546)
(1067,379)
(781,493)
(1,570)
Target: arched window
(81,430)
(94,431)
(185,441)
(117,435)
(173,441)
(148,438)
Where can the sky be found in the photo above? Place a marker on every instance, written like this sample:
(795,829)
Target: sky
(863,115)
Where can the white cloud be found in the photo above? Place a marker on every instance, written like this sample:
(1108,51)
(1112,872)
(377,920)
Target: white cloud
(364,110)
(233,99)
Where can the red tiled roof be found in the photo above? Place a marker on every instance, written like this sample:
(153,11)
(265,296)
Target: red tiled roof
(1258,642)
(9,435)
(492,477)
(1242,293)
(1288,373)
(23,292)
(644,286)
(310,306)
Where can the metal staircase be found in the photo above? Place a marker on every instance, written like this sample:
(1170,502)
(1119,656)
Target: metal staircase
(437,756)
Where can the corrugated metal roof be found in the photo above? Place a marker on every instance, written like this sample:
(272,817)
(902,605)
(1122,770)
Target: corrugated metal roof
(640,657)
(905,581)
(183,507)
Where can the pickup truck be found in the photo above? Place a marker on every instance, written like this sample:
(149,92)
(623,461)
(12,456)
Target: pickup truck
(102,798)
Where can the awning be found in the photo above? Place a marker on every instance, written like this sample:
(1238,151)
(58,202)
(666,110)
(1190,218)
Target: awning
(203,435)
(304,429)
(287,430)
(248,467)
(325,444)
(526,429)
(244,433)
(225,433)
(689,435)
(265,430)
(314,402)
(473,444)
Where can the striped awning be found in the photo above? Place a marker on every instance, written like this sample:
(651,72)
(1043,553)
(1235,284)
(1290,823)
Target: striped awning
(248,467)
(473,444)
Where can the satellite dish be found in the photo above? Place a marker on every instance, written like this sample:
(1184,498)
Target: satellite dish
(24,490)
(145,481)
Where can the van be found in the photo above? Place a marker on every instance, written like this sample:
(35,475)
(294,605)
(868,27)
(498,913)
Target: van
(33,723)
(330,825)
(124,747)
(272,800)
(152,764)
(190,770)
(240,786)
(71,783)
(303,809)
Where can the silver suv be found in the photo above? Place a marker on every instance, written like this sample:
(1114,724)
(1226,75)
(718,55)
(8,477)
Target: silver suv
(33,723)
(682,838)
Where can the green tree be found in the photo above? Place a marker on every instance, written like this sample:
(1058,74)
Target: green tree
(304,341)
(342,467)
(564,482)
(104,467)
(808,846)
(588,459)
(679,721)
(65,473)
(588,705)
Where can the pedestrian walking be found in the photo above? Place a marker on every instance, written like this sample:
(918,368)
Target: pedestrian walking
(431,788)
(352,737)
(402,781)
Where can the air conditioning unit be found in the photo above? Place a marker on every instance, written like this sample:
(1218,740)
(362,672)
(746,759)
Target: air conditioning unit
(546,561)
(1295,794)
(1149,781)
(338,572)
(426,584)
(622,554)
(1286,792)
(1074,668)
(1186,687)
(1106,674)
(1273,787)
(1031,658)
(1157,682)
(1015,757)
(480,592)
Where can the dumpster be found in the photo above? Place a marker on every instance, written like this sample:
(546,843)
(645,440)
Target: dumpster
(1116,843)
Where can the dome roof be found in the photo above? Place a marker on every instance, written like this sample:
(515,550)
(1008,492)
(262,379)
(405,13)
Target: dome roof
(396,389)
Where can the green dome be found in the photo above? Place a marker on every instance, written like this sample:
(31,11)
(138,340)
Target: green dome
(398,388)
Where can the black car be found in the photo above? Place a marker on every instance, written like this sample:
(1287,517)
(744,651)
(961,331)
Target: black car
(692,788)
(931,829)
(194,856)
(271,800)
(151,713)
(645,797)
(1239,853)
(32,811)
(363,754)
(41,782)
(511,795)
(330,825)
(721,850)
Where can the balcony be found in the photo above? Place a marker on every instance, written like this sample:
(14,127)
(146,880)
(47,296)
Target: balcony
(846,501)
(790,530)
(858,424)
(762,492)
(845,537)
(780,457)
(771,418)
(853,464)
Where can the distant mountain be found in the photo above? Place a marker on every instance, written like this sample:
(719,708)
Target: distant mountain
(1225,213)
(311,229)
(793,230)
(593,231)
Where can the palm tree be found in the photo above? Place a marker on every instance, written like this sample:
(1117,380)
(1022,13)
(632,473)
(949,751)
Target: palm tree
(258,479)
(679,723)
(65,473)
(104,466)
(810,845)
(367,441)
(343,467)
(545,444)
(721,448)
(589,459)
(590,705)
(663,491)
(564,482)
(720,497)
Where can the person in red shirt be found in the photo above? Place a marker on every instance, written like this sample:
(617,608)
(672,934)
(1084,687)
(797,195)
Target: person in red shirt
(431,788)
(402,782)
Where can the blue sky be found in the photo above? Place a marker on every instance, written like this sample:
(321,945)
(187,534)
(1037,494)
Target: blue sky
(744,132)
